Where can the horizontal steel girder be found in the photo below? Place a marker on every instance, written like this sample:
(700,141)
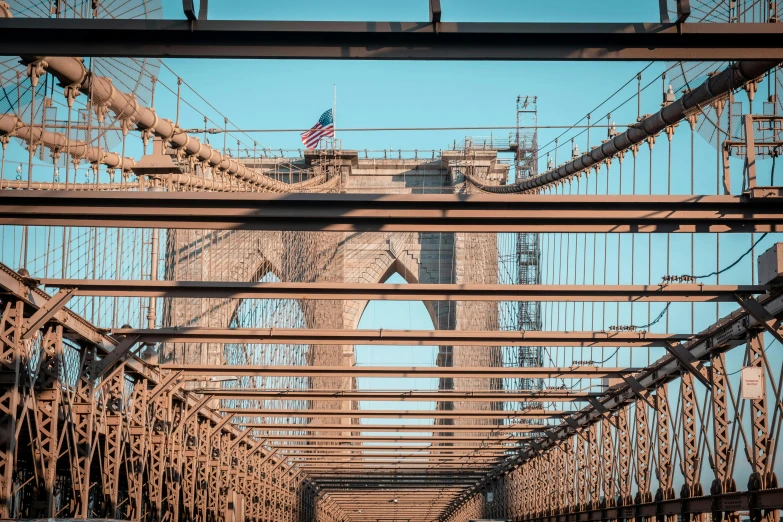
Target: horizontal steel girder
(489,438)
(384,337)
(398,414)
(391,450)
(403,396)
(415,428)
(575,372)
(397,448)
(396,213)
(408,292)
(390,40)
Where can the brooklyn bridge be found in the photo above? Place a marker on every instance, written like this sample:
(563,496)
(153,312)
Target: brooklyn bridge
(541,323)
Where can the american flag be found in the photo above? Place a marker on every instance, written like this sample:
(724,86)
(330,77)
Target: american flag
(323,129)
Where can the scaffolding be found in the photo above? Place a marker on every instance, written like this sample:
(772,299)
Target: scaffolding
(528,250)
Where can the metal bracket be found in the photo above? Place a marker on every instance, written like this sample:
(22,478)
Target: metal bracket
(195,409)
(683,10)
(750,153)
(240,438)
(435,13)
(757,310)
(190,10)
(162,385)
(46,312)
(690,363)
(124,347)
(640,391)
(268,456)
(220,424)
(664,12)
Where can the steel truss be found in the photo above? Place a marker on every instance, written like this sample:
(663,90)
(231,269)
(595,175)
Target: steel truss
(112,438)
(605,426)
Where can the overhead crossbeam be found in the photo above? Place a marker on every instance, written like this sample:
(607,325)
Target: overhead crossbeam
(379,40)
(398,414)
(398,337)
(399,396)
(489,438)
(394,213)
(454,372)
(388,428)
(406,292)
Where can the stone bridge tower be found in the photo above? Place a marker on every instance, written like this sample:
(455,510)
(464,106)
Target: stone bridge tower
(366,257)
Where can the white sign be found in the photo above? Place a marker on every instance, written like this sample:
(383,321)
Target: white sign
(490,496)
(753,382)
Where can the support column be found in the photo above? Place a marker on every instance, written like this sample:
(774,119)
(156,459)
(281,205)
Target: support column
(114,441)
(10,398)
(762,476)
(665,473)
(607,445)
(138,445)
(48,398)
(83,418)
(158,437)
(643,449)
(690,456)
(723,482)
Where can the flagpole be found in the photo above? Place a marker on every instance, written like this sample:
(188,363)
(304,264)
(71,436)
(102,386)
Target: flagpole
(334,111)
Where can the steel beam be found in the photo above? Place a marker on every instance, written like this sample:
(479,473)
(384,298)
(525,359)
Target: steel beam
(368,450)
(407,292)
(489,438)
(423,428)
(380,40)
(402,396)
(398,414)
(575,372)
(396,449)
(384,337)
(730,331)
(760,211)
(716,87)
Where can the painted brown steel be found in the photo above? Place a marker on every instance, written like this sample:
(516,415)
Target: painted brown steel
(716,86)
(13,126)
(379,40)
(575,372)
(729,331)
(369,449)
(489,438)
(395,213)
(404,396)
(398,337)
(426,428)
(399,414)
(102,92)
(406,292)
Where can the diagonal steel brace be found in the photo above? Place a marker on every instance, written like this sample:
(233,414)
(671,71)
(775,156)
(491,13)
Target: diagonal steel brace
(46,312)
(690,363)
(757,310)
